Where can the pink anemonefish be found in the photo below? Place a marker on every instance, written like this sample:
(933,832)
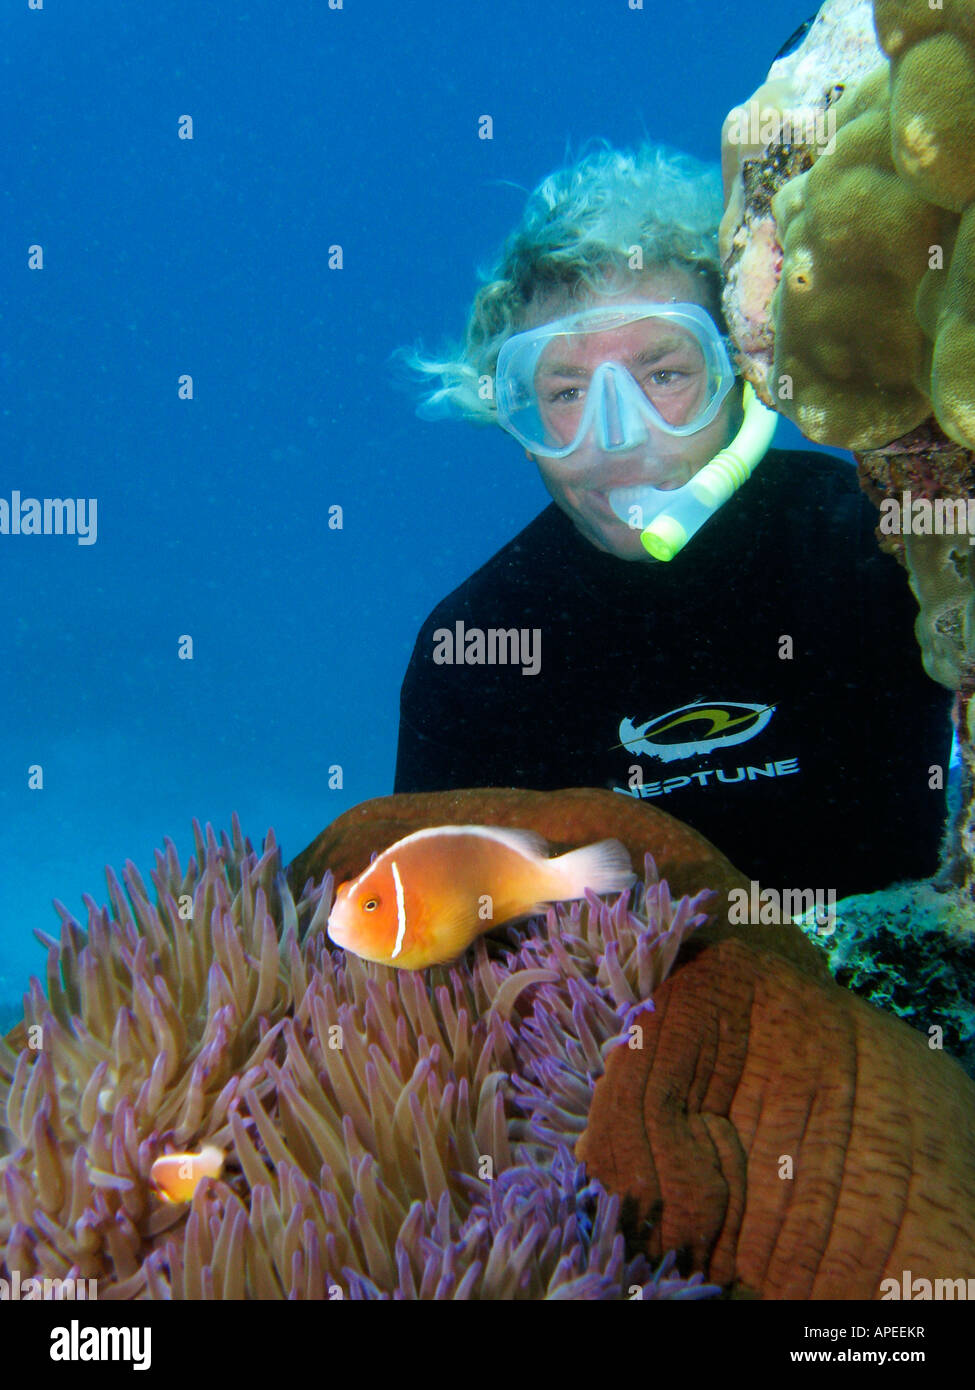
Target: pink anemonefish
(425,899)
(177,1176)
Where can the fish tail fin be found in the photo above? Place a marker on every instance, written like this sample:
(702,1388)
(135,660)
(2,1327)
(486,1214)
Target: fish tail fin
(603,868)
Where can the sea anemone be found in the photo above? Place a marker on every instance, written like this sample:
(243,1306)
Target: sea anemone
(388,1134)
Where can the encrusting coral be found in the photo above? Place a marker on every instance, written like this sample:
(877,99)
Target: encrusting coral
(389,1134)
(910,950)
(768,141)
(863,282)
(850,258)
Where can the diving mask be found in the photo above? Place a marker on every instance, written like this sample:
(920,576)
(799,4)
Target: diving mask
(615,373)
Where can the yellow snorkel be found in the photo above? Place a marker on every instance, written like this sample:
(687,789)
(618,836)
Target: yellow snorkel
(689,507)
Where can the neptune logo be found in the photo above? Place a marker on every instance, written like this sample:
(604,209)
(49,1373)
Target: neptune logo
(693,729)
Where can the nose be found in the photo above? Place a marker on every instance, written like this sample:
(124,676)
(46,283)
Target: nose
(619,423)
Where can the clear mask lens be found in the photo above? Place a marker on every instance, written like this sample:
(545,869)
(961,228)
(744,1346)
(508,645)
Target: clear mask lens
(613,376)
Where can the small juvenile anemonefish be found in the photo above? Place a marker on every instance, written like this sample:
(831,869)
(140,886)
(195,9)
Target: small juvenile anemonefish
(426,898)
(177,1176)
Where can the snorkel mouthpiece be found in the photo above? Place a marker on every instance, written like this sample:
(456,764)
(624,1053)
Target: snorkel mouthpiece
(674,517)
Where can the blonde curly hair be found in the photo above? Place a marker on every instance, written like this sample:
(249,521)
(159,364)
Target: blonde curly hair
(597,223)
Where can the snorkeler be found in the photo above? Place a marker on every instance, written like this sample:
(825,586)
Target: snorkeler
(715,629)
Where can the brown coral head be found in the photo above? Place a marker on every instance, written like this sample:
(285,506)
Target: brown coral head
(789,1138)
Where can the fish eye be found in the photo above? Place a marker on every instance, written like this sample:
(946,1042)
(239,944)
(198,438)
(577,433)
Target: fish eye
(370,904)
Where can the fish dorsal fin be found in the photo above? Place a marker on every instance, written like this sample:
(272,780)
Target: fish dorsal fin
(525,842)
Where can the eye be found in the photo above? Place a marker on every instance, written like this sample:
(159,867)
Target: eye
(568,395)
(666,376)
(370,904)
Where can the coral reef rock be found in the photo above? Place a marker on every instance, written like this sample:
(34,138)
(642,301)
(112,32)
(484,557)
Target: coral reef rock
(909,949)
(848,244)
(849,234)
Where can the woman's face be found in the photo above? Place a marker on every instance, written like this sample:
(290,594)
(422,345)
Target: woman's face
(580,483)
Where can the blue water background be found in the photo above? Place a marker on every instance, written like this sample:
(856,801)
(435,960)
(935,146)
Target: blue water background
(163,256)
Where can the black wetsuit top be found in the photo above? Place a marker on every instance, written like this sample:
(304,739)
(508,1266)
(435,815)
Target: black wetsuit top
(808,757)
